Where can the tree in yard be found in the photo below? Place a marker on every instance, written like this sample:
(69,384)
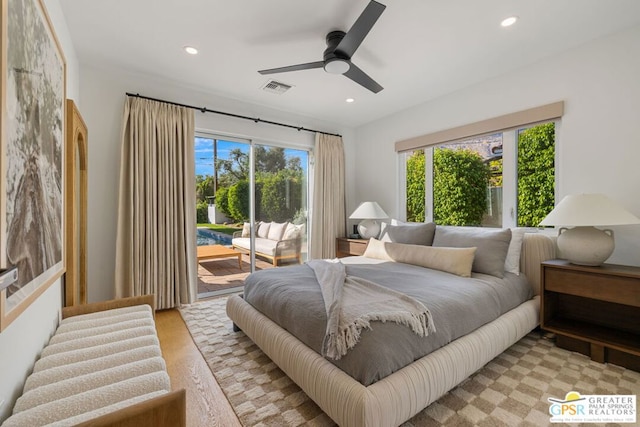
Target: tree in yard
(204,187)
(294,165)
(269,160)
(222,201)
(416,187)
(278,188)
(281,195)
(460,180)
(233,169)
(495,167)
(536,176)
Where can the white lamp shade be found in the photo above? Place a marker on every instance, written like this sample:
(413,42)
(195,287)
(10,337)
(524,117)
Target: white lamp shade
(369,210)
(584,244)
(589,209)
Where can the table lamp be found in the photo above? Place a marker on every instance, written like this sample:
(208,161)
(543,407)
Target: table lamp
(369,212)
(584,244)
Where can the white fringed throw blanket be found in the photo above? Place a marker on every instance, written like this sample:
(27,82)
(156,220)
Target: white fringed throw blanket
(352,303)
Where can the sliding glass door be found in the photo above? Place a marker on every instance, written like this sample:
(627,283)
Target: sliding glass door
(244,186)
(281,203)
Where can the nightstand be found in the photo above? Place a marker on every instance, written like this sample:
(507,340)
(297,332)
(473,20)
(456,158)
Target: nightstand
(350,247)
(593,310)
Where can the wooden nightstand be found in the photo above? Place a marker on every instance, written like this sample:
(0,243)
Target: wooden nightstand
(593,310)
(350,247)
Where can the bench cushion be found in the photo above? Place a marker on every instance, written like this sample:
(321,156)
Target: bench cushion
(59,373)
(78,404)
(81,384)
(68,357)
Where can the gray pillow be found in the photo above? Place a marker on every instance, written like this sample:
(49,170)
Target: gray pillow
(492,244)
(412,234)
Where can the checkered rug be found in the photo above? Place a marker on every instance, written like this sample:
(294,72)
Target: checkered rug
(511,390)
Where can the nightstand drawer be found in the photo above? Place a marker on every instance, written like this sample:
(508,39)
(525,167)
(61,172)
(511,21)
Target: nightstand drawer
(618,289)
(353,248)
(350,247)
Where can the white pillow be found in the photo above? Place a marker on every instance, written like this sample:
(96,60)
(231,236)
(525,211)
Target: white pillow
(292,231)
(398,222)
(276,231)
(512,261)
(263,230)
(451,260)
(246,227)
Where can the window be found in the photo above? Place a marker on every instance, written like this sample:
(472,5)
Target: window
(536,174)
(415,186)
(239,181)
(504,179)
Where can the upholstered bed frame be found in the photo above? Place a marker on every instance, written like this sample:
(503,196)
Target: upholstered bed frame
(401,395)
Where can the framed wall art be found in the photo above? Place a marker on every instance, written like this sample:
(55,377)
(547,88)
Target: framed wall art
(32,154)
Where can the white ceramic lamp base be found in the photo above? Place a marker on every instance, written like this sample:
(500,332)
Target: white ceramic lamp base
(369,228)
(585,245)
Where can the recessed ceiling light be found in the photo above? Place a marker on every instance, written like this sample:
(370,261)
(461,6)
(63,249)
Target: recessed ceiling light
(509,21)
(191,50)
(349,100)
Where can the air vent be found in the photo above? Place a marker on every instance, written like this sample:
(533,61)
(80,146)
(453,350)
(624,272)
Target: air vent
(276,87)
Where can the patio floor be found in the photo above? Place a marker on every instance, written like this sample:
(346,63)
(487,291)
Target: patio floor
(216,275)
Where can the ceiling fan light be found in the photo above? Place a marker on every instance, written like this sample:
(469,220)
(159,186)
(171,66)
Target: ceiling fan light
(337,66)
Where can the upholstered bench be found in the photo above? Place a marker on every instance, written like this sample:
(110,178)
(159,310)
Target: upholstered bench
(102,366)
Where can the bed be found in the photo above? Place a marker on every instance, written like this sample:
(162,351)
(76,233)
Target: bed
(380,398)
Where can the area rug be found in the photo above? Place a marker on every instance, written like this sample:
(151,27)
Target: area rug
(511,390)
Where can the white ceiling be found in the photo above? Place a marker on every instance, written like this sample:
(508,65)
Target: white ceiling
(418,50)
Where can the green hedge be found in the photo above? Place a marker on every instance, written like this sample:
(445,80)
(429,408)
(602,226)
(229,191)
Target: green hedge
(202,212)
(238,201)
(460,180)
(536,174)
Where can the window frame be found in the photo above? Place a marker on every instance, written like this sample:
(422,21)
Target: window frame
(509,172)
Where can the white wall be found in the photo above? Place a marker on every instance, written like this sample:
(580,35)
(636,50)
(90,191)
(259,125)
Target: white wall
(599,138)
(22,342)
(103,95)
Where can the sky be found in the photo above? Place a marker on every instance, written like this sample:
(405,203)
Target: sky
(204,153)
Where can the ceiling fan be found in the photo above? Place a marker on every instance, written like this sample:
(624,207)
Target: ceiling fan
(340,48)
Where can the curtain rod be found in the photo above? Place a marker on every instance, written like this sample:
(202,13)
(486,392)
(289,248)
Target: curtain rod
(238,116)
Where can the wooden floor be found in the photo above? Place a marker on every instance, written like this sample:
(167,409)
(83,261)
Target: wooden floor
(206,404)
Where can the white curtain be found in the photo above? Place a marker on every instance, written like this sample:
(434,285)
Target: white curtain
(155,247)
(328,216)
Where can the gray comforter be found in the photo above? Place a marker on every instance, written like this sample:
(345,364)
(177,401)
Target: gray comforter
(291,297)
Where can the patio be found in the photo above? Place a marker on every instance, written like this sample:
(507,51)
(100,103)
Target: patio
(218,275)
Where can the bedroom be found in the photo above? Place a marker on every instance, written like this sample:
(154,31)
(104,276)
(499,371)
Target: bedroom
(596,79)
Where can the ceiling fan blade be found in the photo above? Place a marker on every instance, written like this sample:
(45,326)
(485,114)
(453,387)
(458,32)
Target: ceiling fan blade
(360,29)
(360,77)
(307,66)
